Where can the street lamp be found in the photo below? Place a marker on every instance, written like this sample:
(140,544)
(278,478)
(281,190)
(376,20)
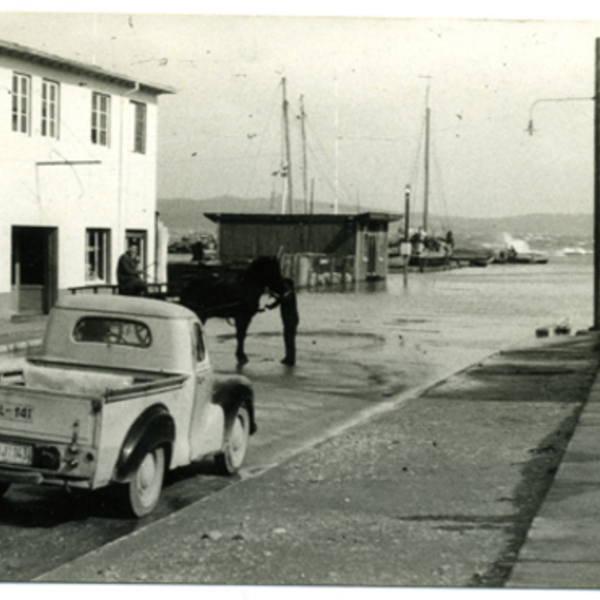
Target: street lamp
(530,130)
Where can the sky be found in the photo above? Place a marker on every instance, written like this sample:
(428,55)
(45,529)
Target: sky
(365,82)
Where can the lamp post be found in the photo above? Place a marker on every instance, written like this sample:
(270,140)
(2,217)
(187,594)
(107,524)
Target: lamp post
(596,325)
(596,99)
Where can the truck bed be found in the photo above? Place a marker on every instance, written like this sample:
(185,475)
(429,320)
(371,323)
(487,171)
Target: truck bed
(46,398)
(83,380)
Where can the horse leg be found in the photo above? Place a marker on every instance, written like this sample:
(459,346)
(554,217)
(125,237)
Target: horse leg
(241,328)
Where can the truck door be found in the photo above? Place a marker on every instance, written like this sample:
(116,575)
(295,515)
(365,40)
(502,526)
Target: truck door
(200,426)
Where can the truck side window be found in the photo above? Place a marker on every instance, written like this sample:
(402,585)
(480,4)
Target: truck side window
(199,339)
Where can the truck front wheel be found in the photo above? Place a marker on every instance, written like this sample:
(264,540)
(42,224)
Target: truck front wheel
(237,436)
(145,485)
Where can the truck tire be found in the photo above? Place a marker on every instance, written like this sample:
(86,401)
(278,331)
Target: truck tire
(3,488)
(145,485)
(237,437)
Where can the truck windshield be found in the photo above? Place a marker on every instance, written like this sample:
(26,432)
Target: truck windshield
(106,330)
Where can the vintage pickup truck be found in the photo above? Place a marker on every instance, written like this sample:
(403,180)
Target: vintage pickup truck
(122,391)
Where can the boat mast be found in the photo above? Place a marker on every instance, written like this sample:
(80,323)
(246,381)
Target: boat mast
(426,157)
(426,185)
(304,161)
(337,150)
(288,197)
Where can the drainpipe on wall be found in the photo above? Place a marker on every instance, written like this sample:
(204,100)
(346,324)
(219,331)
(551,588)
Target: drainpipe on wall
(124,103)
(156,244)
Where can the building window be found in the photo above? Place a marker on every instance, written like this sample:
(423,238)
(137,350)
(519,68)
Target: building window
(96,256)
(21,102)
(50,107)
(100,119)
(139,127)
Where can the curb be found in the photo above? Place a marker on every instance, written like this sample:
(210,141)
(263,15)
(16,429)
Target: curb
(560,548)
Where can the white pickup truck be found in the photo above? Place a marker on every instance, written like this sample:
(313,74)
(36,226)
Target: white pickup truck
(122,391)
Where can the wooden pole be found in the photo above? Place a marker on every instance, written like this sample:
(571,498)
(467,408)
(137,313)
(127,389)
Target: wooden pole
(290,193)
(304,160)
(337,152)
(406,229)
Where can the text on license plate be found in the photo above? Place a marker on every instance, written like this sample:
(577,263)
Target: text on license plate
(16,454)
(16,412)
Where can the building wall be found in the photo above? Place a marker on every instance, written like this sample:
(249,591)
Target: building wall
(70,183)
(364,241)
(245,241)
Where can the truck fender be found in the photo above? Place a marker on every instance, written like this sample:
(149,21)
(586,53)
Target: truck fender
(154,427)
(230,395)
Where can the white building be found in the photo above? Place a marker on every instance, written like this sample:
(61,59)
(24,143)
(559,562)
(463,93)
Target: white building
(78,184)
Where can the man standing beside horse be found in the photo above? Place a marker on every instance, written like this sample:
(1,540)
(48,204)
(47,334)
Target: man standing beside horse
(288,307)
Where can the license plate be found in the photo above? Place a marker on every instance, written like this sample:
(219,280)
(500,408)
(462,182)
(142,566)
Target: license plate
(16,412)
(15,454)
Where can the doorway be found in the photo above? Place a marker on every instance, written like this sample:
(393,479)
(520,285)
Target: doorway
(34,269)
(371,240)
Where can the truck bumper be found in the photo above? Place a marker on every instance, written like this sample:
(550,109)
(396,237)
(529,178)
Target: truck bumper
(38,478)
(10,476)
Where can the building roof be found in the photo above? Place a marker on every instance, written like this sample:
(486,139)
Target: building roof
(300,219)
(68,65)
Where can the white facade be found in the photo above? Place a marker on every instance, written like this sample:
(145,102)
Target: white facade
(75,188)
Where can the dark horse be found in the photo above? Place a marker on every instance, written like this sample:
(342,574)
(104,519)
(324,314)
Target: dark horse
(232,294)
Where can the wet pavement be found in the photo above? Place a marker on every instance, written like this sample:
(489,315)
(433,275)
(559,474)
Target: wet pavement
(409,447)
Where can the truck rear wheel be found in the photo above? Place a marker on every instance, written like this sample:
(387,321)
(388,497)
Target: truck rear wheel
(3,488)
(237,437)
(145,485)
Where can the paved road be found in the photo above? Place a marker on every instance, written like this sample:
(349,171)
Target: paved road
(353,363)
(440,491)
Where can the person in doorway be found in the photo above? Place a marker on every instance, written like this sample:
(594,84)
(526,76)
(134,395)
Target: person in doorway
(288,307)
(197,252)
(129,275)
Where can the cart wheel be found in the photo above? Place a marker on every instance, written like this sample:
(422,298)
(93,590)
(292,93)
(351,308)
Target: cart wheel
(3,488)
(236,443)
(146,484)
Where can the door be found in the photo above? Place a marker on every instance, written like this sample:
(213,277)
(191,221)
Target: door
(207,424)
(371,239)
(34,269)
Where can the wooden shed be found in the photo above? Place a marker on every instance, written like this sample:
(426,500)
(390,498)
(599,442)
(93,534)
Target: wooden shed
(359,241)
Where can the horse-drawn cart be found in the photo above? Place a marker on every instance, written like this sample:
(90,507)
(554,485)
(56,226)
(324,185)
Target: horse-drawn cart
(231,291)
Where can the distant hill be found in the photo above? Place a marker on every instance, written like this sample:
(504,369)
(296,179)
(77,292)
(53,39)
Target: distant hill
(186,217)
(533,224)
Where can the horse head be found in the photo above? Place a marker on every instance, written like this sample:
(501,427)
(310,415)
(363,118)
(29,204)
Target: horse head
(266,272)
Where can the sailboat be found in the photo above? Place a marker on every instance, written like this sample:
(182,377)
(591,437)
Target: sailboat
(427,250)
(430,251)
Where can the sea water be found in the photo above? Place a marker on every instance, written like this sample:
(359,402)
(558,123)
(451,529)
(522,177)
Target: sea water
(497,305)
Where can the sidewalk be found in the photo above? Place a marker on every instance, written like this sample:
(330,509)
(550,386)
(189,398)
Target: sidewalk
(21,335)
(562,549)
(407,498)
